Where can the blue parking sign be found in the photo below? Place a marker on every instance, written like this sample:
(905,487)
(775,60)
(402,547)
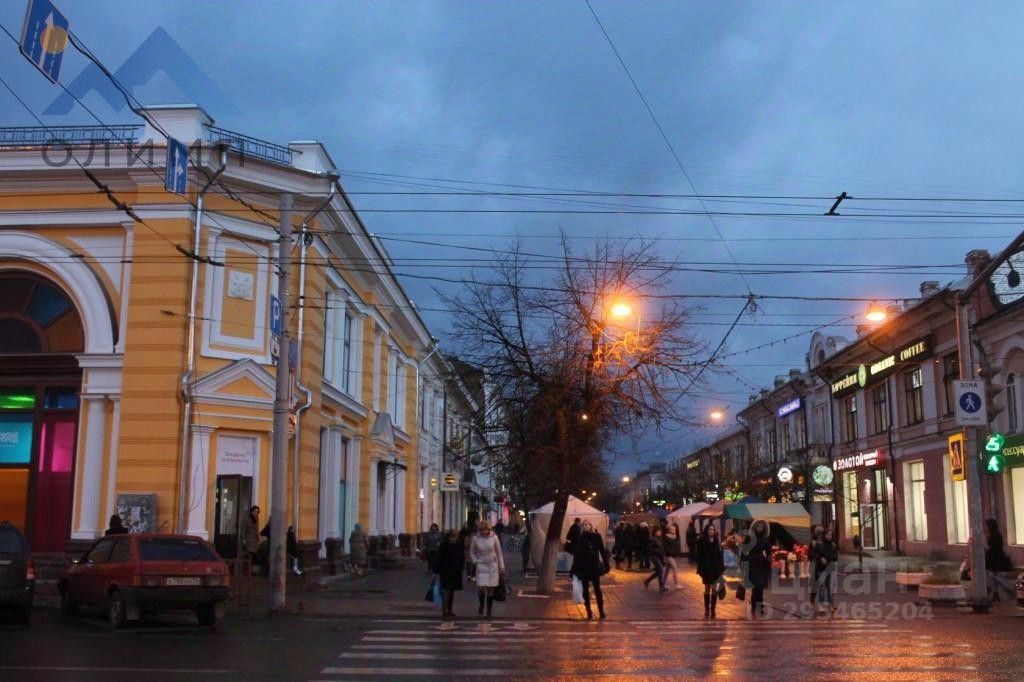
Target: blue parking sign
(44,37)
(176,177)
(275,315)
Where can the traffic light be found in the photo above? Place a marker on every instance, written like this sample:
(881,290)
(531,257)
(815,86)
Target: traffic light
(993,389)
(993,454)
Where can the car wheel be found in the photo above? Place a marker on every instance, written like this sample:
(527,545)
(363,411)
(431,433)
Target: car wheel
(22,615)
(117,610)
(68,605)
(207,614)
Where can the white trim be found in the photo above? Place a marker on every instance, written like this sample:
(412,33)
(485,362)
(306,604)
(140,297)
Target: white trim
(213,309)
(220,222)
(126,279)
(115,430)
(91,467)
(84,291)
(344,400)
(256,470)
(199,484)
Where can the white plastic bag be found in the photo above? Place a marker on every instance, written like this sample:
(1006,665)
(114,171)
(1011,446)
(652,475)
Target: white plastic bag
(577,591)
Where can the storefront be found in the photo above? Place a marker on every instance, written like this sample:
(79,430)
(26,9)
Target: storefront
(865,494)
(1013,488)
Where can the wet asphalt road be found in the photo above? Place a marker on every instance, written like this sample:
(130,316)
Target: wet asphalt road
(296,648)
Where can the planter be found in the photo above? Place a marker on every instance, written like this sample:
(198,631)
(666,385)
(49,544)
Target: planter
(941,594)
(911,579)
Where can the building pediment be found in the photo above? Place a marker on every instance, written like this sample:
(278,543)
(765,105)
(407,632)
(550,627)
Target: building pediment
(244,383)
(383,431)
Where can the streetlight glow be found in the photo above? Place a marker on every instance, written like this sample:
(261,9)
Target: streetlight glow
(875,313)
(621,310)
(717,415)
(625,479)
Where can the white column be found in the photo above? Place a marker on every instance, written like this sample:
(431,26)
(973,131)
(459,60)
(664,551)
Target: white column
(374,501)
(115,429)
(389,501)
(352,486)
(92,467)
(400,494)
(376,369)
(199,484)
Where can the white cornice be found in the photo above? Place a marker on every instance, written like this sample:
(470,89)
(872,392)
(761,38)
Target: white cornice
(343,400)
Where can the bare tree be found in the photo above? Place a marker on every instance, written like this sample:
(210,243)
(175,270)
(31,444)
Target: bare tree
(568,369)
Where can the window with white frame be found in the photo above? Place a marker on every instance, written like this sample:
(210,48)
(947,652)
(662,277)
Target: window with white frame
(396,389)
(913,390)
(340,359)
(956,512)
(917,520)
(850,418)
(801,429)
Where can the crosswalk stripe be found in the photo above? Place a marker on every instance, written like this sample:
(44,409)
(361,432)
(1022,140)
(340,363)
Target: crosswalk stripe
(433,672)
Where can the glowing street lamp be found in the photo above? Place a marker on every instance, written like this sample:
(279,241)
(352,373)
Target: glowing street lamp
(717,415)
(875,313)
(625,479)
(620,310)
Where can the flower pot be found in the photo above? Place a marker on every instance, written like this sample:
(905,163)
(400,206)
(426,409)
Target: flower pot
(910,579)
(941,594)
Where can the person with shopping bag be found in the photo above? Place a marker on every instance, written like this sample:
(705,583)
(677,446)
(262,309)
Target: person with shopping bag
(590,561)
(485,553)
(710,567)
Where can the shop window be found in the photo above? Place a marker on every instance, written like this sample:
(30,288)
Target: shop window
(950,373)
(913,389)
(1017,487)
(850,503)
(956,518)
(850,418)
(801,429)
(880,408)
(16,438)
(61,399)
(917,519)
(1012,415)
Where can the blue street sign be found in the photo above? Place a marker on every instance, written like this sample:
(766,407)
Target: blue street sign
(44,37)
(275,315)
(970,402)
(176,174)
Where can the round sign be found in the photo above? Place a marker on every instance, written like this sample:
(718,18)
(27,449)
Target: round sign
(970,402)
(785,475)
(822,475)
(862,376)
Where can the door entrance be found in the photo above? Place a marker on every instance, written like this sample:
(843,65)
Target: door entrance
(234,497)
(872,526)
(52,523)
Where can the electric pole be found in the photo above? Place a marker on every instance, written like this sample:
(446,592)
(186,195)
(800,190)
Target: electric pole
(279,449)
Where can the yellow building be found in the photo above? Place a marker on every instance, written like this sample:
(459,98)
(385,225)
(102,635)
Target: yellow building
(102,410)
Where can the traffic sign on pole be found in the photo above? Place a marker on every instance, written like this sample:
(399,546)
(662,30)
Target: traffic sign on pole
(957,463)
(176,173)
(44,37)
(275,315)
(970,403)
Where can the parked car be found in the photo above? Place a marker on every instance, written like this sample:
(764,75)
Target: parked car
(129,575)
(17,573)
(1019,589)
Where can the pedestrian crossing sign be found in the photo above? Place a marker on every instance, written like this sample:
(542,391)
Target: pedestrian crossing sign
(957,462)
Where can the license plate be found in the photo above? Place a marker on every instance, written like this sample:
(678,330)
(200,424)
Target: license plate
(183,581)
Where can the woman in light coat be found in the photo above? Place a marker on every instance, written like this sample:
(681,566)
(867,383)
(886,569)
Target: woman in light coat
(485,553)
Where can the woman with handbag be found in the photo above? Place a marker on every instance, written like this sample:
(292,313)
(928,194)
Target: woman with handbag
(590,562)
(710,567)
(486,555)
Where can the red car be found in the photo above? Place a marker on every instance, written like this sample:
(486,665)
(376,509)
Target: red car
(132,574)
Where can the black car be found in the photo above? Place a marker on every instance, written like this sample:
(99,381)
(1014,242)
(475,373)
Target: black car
(17,573)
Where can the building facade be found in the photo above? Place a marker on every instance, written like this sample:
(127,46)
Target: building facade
(138,341)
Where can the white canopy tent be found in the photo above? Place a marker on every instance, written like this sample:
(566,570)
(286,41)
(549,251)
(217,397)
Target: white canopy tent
(681,518)
(791,516)
(540,517)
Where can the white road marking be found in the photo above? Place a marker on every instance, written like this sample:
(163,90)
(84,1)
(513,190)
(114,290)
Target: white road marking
(440,673)
(109,669)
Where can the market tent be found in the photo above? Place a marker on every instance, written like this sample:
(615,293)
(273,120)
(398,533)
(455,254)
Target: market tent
(740,510)
(715,511)
(540,517)
(791,516)
(681,517)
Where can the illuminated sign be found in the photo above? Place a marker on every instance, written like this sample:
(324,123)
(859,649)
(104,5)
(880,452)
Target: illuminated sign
(693,464)
(879,368)
(785,475)
(16,438)
(791,406)
(861,459)
(449,483)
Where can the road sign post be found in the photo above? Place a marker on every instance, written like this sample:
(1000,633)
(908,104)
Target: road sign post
(44,37)
(970,403)
(176,173)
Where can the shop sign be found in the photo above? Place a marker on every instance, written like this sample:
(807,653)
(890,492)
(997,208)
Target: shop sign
(822,475)
(791,406)
(693,464)
(957,463)
(868,372)
(1005,281)
(861,459)
(449,482)
(821,495)
(1013,451)
(785,475)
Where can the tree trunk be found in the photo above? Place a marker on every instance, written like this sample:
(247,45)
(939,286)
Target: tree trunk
(552,544)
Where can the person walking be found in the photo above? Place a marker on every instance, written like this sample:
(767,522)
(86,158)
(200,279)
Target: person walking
(292,548)
(619,540)
(451,560)
(572,536)
(759,566)
(485,553)
(671,570)
(249,533)
(589,563)
(629,544)
(824,558)
(691,541)
(710,566)
(524,549)
(466,533)
(643,542)
(817,534)
(357,549)
(656,556)
(116,527)
(996,560)
(431,546)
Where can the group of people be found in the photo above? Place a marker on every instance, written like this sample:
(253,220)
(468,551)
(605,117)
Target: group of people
(258,551)
(473,551)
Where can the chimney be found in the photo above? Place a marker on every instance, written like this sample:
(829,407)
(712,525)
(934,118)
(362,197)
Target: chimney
(929,289)
(794,374)
(780,381)
(976,261)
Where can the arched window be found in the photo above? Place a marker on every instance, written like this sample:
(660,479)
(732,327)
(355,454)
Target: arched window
(1012,415)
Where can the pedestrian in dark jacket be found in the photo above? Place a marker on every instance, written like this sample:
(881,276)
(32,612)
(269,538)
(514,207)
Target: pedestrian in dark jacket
(710,567)
(572,536)
(643,541)
(431,546)
(589,563)
(759,566)
(656,556)
(817,534)
(116,527)
(525,548)
(824,558)
(619,540)
(996,560)
(451,560)
(691,541)
(629,544)
(292,548)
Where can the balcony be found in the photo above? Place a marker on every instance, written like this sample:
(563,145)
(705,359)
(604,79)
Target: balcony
(39,136)
(251,146)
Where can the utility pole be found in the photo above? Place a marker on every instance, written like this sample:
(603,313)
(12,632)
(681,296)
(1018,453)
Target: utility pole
(279,450)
